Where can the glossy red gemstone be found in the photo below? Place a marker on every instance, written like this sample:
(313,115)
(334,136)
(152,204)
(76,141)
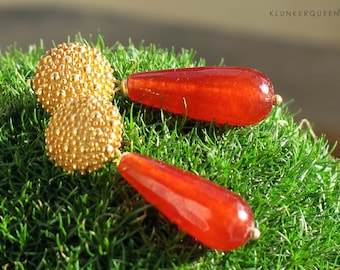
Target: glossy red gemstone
(237,96)
(215,216)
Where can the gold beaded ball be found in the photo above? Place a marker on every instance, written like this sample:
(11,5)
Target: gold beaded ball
(84,134)
(71,70)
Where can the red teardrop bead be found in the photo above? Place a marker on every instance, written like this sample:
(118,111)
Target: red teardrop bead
(237,96)
(215,216)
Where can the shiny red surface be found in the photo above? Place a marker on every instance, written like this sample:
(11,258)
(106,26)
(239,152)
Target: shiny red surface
(237,96)
(215,216)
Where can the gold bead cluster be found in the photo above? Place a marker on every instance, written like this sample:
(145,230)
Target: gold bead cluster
(84,134)
(71,70)
(75,83)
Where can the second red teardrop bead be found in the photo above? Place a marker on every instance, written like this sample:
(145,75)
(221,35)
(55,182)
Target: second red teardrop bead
(236,96)
(215,216)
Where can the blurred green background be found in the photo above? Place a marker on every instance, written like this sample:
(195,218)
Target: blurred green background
(298,51)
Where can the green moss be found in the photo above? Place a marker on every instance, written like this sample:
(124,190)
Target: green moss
(53,220)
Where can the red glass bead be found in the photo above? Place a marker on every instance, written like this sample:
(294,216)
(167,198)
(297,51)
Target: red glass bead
(215,216)
(237,96)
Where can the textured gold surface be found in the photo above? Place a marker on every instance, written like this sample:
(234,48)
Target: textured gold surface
(72,70)
(84,134)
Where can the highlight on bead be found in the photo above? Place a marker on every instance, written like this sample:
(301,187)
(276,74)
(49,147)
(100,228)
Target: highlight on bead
(71,70)
(84,134)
